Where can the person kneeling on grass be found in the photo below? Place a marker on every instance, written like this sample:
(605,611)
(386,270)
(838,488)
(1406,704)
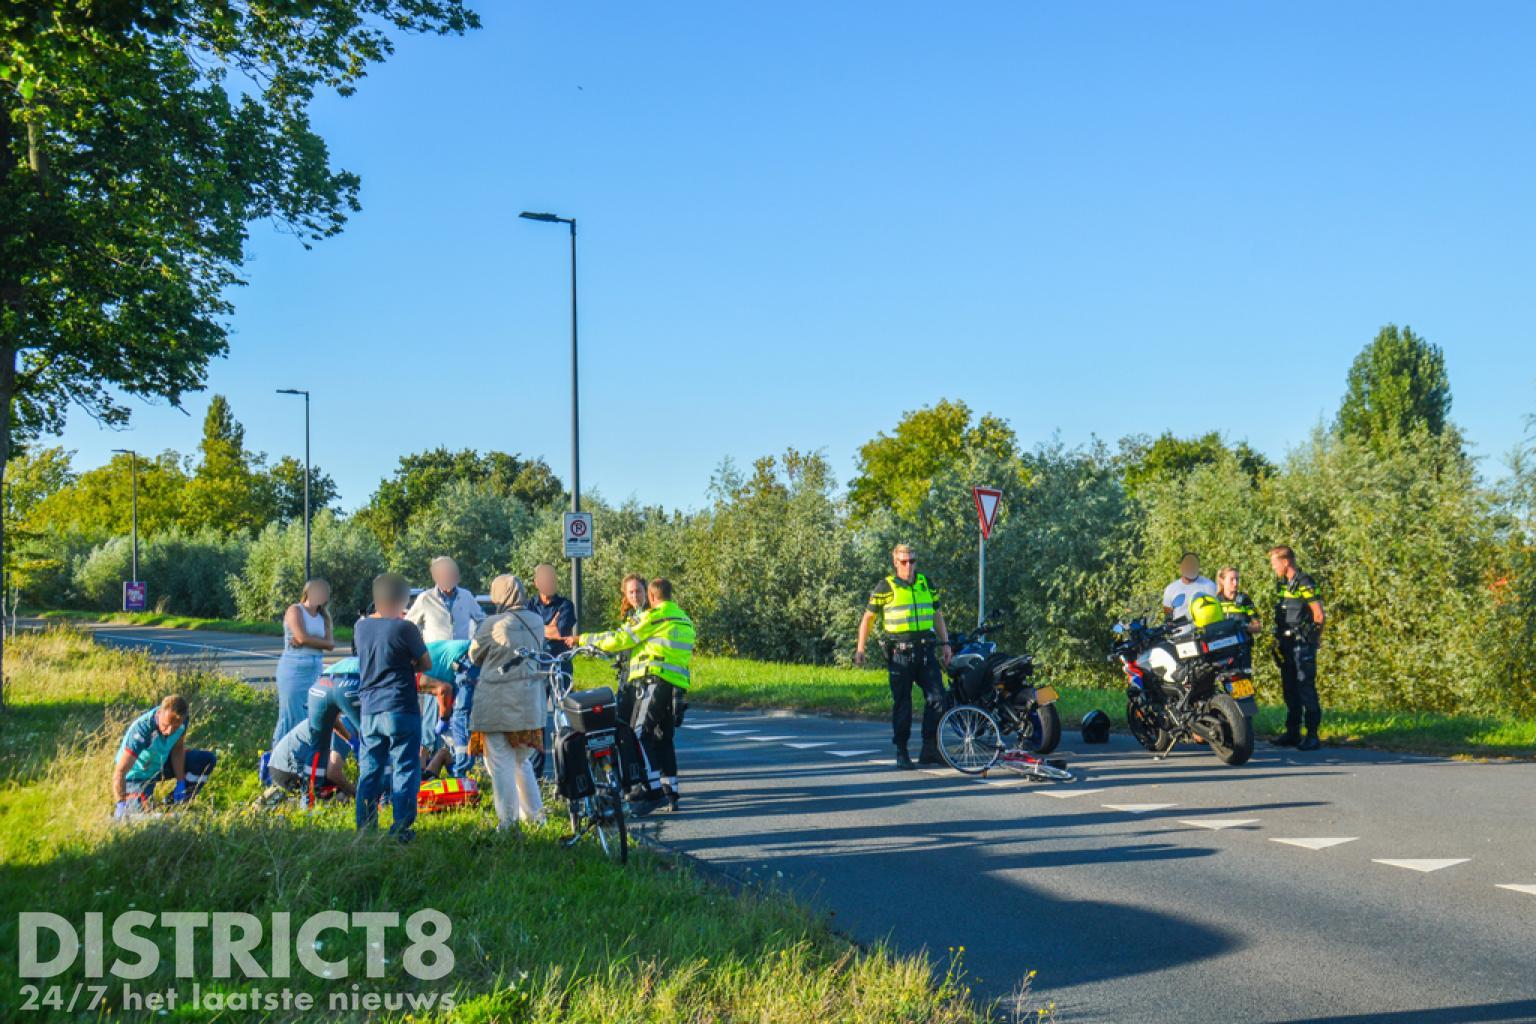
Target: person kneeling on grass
(154,750)
(390,651)
(294,760)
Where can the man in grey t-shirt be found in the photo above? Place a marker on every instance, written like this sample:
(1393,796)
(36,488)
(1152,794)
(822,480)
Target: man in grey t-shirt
(1190,585)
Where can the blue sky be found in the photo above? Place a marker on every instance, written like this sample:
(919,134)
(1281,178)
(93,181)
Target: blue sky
(799,220)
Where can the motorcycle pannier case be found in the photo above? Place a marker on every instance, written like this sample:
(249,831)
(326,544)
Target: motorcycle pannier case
(573,775)
(591,710)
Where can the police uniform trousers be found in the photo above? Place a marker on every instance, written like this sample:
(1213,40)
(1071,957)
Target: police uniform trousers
(1298,677)
(914,664)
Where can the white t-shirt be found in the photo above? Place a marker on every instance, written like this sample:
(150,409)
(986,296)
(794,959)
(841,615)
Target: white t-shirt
(1178,594)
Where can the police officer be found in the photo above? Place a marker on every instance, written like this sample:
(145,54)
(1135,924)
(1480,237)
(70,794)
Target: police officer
(1234,603)
(1298,630)
(910,615)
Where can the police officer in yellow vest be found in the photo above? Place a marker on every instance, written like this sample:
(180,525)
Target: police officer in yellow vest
(1298,631)
(914,627)
(660,642)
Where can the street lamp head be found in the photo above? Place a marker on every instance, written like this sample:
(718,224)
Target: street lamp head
(124,451)
(293,391)
(548,218)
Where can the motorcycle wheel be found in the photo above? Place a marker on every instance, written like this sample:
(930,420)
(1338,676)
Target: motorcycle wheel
(1148,735)
(1041,731)
(1232,738)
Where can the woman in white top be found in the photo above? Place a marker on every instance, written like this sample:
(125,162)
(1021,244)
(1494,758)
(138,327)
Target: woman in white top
(307,632)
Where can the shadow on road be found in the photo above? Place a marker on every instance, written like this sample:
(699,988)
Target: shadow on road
(1521,1011)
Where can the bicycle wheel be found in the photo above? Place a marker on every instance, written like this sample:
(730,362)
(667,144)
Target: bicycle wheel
(970,740)
(608,815)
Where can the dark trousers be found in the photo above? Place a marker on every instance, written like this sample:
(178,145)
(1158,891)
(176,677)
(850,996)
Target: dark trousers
(199,765)
(909,667)
(390,761)
(1298,676)
(655,720)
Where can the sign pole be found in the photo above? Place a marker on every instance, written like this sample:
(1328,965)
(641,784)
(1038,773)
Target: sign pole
(981,580)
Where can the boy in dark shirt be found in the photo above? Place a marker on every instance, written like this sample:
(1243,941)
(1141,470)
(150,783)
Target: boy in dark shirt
(390,652)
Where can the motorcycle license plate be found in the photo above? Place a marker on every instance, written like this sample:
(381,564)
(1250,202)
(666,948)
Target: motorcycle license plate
(1046,695)
(1242,688)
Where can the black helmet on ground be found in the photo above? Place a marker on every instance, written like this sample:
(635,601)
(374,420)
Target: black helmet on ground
(1095,727)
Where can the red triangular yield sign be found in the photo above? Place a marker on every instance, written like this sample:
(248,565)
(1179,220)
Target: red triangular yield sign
(987,501)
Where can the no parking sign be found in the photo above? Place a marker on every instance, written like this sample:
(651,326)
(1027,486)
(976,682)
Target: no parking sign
(578,535)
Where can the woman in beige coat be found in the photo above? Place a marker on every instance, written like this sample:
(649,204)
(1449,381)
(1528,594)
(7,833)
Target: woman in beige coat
(507,721)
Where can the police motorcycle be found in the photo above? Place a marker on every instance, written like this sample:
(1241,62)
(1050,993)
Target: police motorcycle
(997,713)
(1177,682)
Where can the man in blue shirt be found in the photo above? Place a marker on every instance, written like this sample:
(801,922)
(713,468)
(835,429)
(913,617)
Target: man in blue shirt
(390,652)
(154,750)
(559,615)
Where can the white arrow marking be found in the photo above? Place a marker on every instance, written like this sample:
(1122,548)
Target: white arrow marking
(810,746)
(1529,890)
(733,732)
(1137,808)
(1316,844)
(768,739)
(1062,794)
(1425,866)
(1220,823)
(849,753)
(698,727)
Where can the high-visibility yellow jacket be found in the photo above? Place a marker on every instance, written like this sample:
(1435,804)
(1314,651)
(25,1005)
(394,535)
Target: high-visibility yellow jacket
(661,641)
(905,608)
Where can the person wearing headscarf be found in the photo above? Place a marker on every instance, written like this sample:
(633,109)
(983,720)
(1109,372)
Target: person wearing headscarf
(507,720)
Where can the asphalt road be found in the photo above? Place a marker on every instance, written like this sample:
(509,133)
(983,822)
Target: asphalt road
(1334,888)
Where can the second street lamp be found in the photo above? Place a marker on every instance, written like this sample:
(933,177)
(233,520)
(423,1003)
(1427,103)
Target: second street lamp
(300,391)
(550,218)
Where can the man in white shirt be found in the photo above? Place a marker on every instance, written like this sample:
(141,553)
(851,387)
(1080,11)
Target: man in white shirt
(445,610)
(1190,585)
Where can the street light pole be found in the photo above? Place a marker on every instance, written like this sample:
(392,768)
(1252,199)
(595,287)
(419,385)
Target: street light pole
(551,218)
(308,575)
(133,463)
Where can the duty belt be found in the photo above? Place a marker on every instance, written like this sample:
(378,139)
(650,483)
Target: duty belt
(909,645)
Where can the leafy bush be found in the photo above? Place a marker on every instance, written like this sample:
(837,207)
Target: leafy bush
(185,572)
(469,521)
(344,553)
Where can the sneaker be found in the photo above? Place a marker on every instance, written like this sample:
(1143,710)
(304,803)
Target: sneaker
(1285,739)
(670,796)
(903,759)
(1310,743)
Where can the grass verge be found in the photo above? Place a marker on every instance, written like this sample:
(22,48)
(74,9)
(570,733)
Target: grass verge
(168,621)
(540,933)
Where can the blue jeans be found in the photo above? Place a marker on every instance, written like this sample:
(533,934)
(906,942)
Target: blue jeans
(297,671)
(390,760)
(458,731)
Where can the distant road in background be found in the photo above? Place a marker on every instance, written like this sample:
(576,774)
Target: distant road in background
(1347,887)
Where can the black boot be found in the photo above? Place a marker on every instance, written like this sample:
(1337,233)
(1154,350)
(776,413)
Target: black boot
(1310,743)
(903,759)
(929,755)
(1286,739)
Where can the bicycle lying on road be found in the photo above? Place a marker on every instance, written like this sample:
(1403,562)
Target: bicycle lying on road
(997,715)
(592,764)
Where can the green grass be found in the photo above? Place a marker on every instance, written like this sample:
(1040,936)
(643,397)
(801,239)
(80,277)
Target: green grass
(168,621)
(540,933)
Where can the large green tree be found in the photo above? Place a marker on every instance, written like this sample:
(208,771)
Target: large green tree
(1170,457)
(229,489)
(896,470)
(138,138)
(421,477)
(1396,383)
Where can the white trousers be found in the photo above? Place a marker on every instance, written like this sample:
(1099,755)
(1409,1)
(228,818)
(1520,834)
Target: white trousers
(513,787)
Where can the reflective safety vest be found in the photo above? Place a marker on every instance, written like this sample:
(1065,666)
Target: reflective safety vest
(1240,606)
(1293,612)
(910,607)
(660,641)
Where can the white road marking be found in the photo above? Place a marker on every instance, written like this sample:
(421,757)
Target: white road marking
(1316,844)
(810,746)
(1425,866)
(1138,808)
(699,727)
(768,739)
(1219,823)
(1062,794)
(148,641)
(849,753)
(1529,890)
(733,732)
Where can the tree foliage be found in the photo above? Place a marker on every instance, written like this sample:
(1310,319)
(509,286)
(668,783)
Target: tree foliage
(344,553)
(469,521)
(1173,457)
(896,470)
(1396,385)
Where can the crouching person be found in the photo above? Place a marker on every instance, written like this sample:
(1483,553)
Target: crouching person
(154,751)
(296,767)
(508,714)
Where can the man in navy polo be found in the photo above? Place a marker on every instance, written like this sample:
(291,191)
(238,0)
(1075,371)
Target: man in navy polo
(559,616)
